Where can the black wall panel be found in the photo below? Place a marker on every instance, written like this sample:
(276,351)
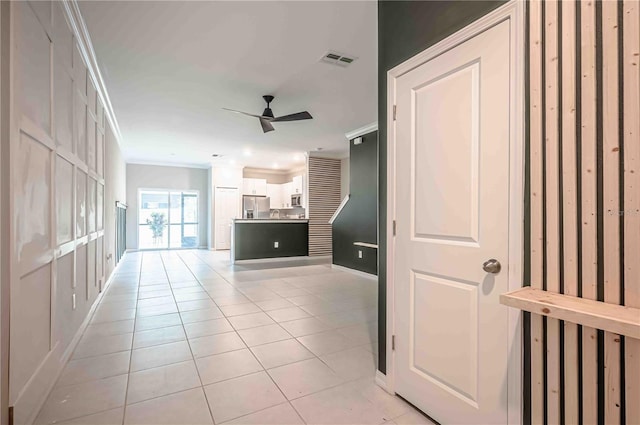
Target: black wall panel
(256,240)
(358,221)
(406,28)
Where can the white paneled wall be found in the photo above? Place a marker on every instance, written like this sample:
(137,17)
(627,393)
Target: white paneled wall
(57,152)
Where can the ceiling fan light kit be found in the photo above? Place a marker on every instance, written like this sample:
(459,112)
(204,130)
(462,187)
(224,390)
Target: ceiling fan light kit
(267,116)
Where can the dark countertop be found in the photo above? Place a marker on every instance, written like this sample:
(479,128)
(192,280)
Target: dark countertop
(270,220)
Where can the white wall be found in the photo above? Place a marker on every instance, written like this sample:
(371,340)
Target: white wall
(4,212)
(165,177)
(344,177)
(56,244)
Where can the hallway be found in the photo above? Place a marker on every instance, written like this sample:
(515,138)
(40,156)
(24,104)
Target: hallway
(182,337)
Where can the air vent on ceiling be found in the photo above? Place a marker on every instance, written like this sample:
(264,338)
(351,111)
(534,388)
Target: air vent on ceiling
(338,59)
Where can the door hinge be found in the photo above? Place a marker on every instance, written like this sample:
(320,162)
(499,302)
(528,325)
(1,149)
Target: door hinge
(10,415)
(393,342)
(395,109)
(394,227)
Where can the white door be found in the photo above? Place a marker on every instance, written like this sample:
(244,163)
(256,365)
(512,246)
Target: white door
(452,205)
(226,209)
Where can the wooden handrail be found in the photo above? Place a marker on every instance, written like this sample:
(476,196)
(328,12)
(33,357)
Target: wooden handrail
(614,318)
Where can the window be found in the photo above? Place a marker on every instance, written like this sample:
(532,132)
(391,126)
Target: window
(167,219)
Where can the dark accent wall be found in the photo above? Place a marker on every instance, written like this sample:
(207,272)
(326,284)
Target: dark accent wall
(406,28)
(358,221)
(256,240)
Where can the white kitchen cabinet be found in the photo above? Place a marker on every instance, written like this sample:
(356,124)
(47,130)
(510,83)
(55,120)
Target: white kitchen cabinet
(298,185)
(274,192)
(257,187)
(287,191)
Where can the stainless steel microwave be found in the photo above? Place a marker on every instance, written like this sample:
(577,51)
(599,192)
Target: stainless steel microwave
(296,200)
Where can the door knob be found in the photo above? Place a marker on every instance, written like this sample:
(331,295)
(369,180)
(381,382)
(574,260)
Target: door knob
(492,266)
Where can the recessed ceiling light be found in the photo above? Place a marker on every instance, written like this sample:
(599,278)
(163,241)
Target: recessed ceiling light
(232,162)
(275,165)
(247,152)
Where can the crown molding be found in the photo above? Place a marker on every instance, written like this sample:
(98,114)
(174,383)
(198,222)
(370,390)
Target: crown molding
(362,131)
(81,34)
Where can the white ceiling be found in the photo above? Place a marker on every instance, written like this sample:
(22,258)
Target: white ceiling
(170,68)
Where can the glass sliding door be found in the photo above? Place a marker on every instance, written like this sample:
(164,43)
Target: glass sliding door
(167,219)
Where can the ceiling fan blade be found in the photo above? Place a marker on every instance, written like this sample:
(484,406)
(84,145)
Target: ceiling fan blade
(243,113)
(294,117)
(266,125)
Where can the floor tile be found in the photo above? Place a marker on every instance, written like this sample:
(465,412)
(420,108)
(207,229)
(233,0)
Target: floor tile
(308,326)
(216,344)
(250,321)
(196,305)
(303,378)
(157,310)
(224,299)
(113,315)
(209,327)
(304,299)
(110,328)
(263,334)
(74,401)
(326,342)
(91,346)
(226,405)
(108,417)
(413,418)
(281,353)
(227,365)
(337,406)
(160,355)
(201,315)
(275,304)
(192,296)
(288,314)
(161,381)
(363,332)
(158,336)
(149,302)
(239,309)
(92,368)
(187,407)
(392,406)
(353,363)
(155,322)
(282,414)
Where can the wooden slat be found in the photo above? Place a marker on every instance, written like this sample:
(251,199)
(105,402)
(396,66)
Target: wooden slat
(615,318)
(537,237)
(611,196)
(324,199)
(570,210)
(552,192)
(589,220)
(631,84)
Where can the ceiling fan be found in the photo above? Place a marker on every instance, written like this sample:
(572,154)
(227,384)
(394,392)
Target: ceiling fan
(267,115)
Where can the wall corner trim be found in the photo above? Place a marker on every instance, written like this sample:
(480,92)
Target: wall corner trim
(81,33)
(369,128)
(381,381)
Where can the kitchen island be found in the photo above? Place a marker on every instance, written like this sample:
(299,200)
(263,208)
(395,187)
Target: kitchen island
(253,239)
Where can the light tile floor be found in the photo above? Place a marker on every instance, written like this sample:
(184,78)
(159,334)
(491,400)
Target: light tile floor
(183,337)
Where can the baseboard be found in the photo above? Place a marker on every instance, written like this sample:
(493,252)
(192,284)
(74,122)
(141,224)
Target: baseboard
(381,380)
(66,355)
(354,271)
(272,260)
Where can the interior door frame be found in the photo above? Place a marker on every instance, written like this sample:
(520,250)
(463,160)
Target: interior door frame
(513,11)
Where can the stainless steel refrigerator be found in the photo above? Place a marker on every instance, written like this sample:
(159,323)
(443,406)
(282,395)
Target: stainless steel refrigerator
(255,207)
